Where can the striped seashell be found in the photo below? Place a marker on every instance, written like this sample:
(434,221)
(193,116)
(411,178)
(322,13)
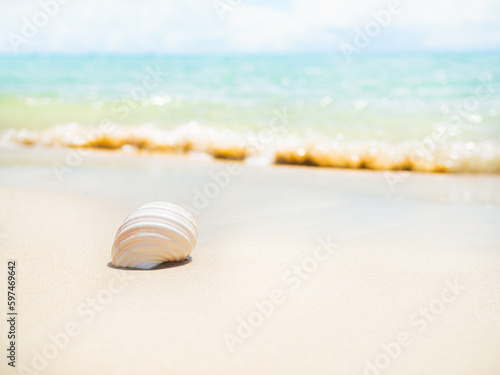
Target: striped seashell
(154,233)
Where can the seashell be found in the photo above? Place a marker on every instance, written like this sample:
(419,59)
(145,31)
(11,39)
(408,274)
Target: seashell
(154,233)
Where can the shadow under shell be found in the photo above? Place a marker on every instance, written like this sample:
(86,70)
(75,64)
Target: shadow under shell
(160,266)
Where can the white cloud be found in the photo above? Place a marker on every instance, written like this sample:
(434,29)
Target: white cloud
(193,26)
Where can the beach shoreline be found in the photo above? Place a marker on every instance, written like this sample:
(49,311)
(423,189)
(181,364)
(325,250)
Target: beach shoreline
(436,152)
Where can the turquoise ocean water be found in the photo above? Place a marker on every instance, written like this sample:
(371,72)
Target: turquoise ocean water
(429,112)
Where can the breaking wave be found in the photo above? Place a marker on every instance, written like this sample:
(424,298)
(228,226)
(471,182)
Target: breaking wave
(431,154)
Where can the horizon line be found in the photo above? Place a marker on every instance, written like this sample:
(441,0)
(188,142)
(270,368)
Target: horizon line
(222,54)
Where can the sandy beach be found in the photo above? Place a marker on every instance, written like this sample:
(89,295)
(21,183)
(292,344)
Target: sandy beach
(297,270)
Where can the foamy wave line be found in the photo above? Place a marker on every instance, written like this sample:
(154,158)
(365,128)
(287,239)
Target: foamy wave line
(427,156)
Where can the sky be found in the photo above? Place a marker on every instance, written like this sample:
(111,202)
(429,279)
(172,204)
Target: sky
(246,26)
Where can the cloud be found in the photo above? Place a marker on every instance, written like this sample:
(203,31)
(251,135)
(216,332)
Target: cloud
(195,26)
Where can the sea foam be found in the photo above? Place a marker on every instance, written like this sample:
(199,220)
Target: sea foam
(426,155)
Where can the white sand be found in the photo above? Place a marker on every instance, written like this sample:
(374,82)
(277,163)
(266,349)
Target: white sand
(388,278)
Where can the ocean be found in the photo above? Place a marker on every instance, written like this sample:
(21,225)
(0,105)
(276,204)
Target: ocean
(429,112)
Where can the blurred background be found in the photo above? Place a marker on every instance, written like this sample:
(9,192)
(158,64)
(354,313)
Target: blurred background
(386,72)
